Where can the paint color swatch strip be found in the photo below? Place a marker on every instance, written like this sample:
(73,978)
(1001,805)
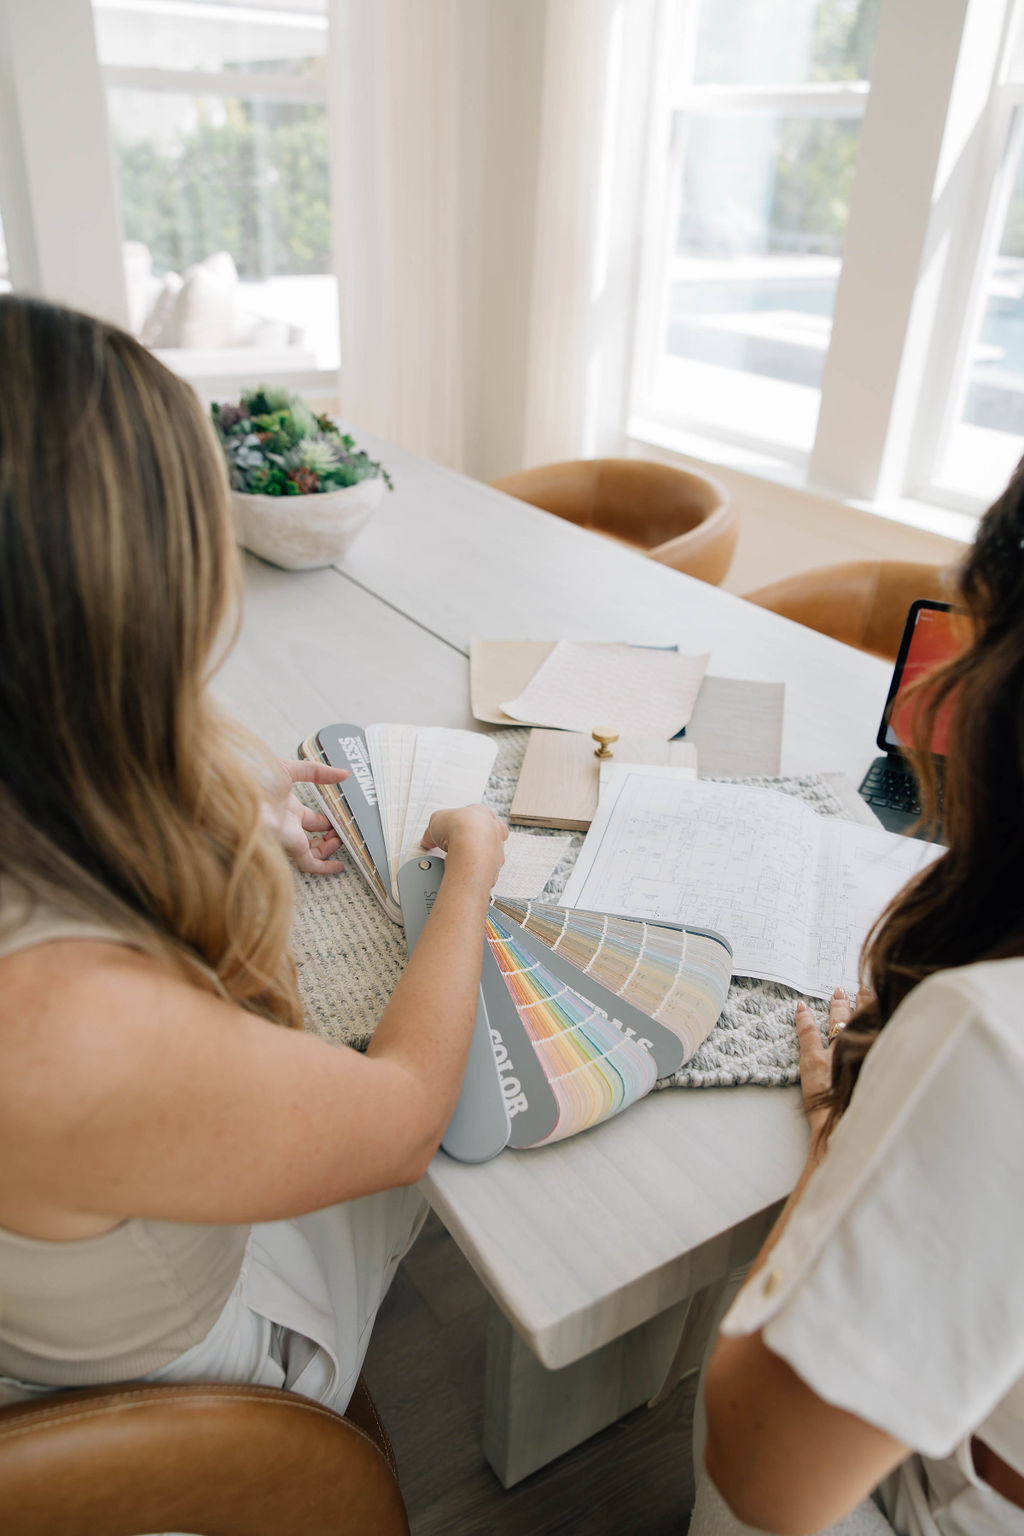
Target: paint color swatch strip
(677,976)
(591,1069)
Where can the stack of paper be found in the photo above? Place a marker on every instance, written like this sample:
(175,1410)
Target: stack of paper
(627,688)
(737,725)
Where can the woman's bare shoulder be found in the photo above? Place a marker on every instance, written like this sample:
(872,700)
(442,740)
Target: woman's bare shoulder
(125,1090)
(72,1012)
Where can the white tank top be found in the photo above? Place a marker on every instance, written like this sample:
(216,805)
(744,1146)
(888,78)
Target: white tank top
(120,1305)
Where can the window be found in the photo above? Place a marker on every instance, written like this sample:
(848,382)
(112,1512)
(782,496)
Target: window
(765,103)
(219,128)
(833,269)
(986,437)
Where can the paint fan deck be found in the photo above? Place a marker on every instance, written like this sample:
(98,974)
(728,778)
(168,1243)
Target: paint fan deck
(580,1013)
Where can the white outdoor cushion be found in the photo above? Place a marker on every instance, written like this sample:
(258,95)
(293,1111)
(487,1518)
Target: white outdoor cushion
(160,327)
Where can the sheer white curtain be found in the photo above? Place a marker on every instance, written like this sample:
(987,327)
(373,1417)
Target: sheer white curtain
(577,84)
(598,68)
(432,103)
(397,128)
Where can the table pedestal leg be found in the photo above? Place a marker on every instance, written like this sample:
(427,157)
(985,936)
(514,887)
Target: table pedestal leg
(532,1415)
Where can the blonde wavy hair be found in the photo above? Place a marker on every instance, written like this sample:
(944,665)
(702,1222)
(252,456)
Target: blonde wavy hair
(126,797)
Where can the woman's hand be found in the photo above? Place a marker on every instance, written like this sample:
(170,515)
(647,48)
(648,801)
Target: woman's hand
(296,824)
(816,1054)
(471,832)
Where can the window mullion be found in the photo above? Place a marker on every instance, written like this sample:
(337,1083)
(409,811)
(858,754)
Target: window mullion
(962,294)
(15,199)
(899,174)
(659,202)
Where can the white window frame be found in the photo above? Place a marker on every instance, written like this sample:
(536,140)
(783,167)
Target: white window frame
(46,190)
(675,97)
(926,163)
(56,171)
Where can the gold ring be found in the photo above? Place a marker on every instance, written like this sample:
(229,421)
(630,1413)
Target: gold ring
(833,1031)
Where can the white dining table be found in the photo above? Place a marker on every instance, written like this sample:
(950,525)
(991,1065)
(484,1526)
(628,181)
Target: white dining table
(598,1252)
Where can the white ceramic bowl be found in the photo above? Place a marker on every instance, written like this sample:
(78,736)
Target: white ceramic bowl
(300,533)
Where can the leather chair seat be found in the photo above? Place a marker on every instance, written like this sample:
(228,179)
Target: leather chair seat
(216,1458)
(675,516)
(862,602)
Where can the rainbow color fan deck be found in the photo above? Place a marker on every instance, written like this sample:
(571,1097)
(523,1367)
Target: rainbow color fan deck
(579,1015)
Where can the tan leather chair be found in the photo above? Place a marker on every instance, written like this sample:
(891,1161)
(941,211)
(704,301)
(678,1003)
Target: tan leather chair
(211,1458)
(863,603)
(680,518)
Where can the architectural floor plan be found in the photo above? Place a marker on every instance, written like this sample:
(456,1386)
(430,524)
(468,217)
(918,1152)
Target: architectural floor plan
(793,891)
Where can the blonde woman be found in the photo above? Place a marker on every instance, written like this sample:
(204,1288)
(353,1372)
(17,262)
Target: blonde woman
(189,1184)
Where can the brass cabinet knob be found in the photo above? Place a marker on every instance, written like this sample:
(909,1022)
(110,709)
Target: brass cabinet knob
(604,737)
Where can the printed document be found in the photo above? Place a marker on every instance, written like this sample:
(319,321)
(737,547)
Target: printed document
(794,892)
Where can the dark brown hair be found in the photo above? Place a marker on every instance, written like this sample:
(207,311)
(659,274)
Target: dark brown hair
(126,798)
(969,904)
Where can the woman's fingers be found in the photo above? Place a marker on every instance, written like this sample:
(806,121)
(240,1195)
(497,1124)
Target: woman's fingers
(434,838)
(316,857)
(315,860)
(816,1054)
(312,820)
(808,1029)
(840,1008)
(298,825)
(313,773)
(815,1060)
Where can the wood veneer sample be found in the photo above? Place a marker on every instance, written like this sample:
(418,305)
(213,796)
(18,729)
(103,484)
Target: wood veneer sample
(560,777)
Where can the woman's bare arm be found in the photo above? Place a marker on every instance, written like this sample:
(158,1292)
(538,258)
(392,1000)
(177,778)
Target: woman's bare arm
(783,1459)
(127,1092)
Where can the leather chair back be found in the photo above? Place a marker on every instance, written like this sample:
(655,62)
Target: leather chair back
(211,1458)
(678,517)
(863,602)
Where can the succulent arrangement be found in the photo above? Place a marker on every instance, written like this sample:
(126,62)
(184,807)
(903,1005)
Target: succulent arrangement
(276,446)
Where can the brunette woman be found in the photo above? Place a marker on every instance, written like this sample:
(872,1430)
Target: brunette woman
(879,1341)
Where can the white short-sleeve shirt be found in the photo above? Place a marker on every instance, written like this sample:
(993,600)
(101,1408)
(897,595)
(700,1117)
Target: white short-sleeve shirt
(896,1291)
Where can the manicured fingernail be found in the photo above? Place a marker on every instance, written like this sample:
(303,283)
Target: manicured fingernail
(839,992)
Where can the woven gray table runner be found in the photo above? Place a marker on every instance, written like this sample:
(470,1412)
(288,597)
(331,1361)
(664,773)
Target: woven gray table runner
(350,956)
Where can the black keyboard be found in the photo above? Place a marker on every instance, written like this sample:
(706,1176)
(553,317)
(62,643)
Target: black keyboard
(891,786)
(894,787)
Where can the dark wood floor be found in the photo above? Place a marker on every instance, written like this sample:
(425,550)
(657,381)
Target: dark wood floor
(425,1369)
